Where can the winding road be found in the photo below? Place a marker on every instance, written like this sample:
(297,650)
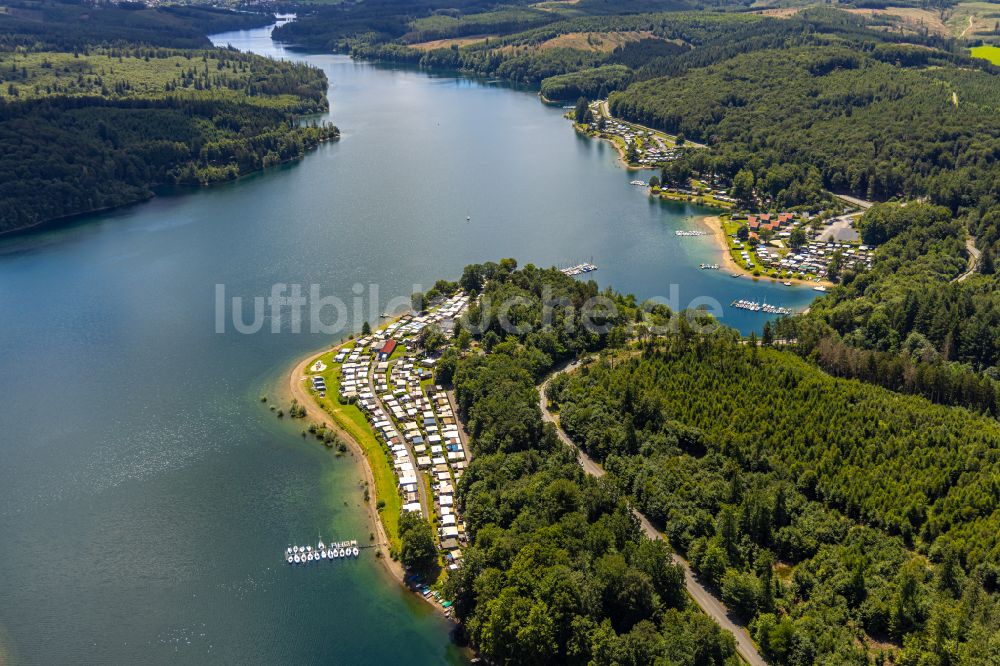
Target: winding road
(705,599)
(974,253)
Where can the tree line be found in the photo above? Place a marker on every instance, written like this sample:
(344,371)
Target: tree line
(827,513)
(557,570)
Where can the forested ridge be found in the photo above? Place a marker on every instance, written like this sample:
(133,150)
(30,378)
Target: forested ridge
(65,26)
(827,512)
(113,116)
(557,570)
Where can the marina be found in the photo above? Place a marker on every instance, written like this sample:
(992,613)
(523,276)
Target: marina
(579,269)
(755,306)
(333,551)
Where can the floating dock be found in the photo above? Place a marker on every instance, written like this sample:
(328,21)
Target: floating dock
(686,232)
(579,269)
(709,267)
(754,306)
(310,554)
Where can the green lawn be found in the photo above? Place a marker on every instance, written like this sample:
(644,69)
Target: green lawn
(352,420)
(987,52)
(119,74)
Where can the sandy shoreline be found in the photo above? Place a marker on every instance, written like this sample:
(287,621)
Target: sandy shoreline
(622,162)
(297,389)
(714,224)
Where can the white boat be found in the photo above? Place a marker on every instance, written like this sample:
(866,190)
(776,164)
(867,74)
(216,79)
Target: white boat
(288,551)
(355,551)
(295,549)
(335,553)
(309,549)
(787,284)
(819,288)
(322,554)
(329,554)
(322,546)
(342,553)
(296,556)
(289,559)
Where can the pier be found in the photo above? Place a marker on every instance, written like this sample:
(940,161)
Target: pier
(754,306)
(310,554)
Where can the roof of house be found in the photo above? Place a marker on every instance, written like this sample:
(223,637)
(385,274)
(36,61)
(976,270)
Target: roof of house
(388,347)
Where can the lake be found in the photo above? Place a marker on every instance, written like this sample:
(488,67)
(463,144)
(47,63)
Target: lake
(146,493)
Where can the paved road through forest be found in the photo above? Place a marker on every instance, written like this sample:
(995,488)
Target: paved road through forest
(705,599)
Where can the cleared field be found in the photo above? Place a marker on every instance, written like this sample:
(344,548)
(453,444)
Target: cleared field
(971,20)
(447,43)
(987,52)
(779,12)
(132,73)
(909,18)
(966,20)
(598,42)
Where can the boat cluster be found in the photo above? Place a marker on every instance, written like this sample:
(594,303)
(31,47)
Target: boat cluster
(710,267)
(579,269)
(687,232)
(322,551)
(754,306)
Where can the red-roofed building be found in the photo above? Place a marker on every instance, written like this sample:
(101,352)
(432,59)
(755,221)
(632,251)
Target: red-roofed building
(753,222)
(386,351)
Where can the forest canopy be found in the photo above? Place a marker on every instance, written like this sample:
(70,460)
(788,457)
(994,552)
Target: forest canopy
(102,118)
(811,504)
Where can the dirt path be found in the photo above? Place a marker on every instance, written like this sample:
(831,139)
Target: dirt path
(970,247)
(972,22)
(705,599)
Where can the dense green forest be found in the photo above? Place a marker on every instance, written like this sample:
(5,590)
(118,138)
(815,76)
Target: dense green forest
(557,570)
(589,83)
(95,120)
(67,26)
(871,126)
(829,514)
